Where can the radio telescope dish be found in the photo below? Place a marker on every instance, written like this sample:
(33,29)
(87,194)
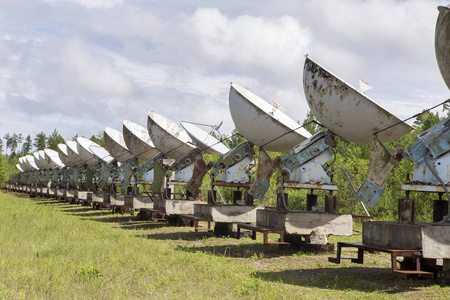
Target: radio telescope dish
(85,152)
(204,140)
(138,141)
(63,153)
(53,160)
(169,137)
(74,156)
(116,145)
(261,123)
(345,111)
(30,162)
(19,167)
(39,159)
(22,163)
(442,43)
(102,154)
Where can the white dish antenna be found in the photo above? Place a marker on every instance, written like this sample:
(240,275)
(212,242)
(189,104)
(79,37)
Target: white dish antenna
(53,160)
(168,137)
(63,153)
(442,43)
(19,167)
(345,111)
(138,141)
(116,145)
(30,163)
(204,140)
(262,123)
(22,163)
(74,156)
(102,154)
(85,152)
(40,160)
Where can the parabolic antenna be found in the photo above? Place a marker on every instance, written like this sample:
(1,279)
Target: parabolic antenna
(19,167)
(261,123)
(101,153)
(22,163)
(442,43)
(204,140)
(169,137)
(116,145)
(30,162)
(138,141)
(345,111)
(63,153)
(39,159)
(85,152)
(72,150)
(53,160)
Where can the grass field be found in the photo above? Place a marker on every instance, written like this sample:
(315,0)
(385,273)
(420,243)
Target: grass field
(52,250)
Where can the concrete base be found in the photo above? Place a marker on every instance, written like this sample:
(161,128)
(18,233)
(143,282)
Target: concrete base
(227,213)
(432,238)
(176,207)
(306,223)
(82,195)
(52,191)
(97,197)
(61,192)
(70,193)
(120,199)
(142,202)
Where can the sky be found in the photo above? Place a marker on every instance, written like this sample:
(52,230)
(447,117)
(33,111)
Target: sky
(82,65)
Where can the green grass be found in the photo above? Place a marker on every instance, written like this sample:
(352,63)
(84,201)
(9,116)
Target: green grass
(51,250)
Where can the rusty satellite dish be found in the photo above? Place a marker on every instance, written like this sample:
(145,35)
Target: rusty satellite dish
(53,160)
(345,111)
(85,152)
(262,123)
(138,141)
(169,137)
(115,144)
(72,150)
(204,140)
(442,43)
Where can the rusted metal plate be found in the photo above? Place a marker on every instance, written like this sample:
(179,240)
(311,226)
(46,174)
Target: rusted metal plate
(442,43)
(138,141)
(345,111)
(168,137)
(262,124)
(204,140)
(116,146)
(310,186)
(423,188)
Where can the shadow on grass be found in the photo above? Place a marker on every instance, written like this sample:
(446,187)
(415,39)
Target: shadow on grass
(364,279)
(257,251)
(176,236)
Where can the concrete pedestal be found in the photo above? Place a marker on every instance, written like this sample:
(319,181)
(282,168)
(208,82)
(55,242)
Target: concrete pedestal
(432,238)
(306,223)
(227,213)
(142,202)
(176,207)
